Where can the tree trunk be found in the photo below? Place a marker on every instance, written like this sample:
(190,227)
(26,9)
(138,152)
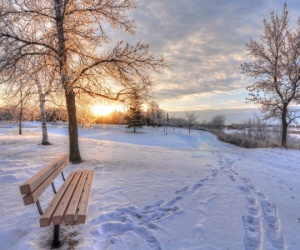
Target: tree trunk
(134,125)
(284,126)
(21,113)
(74,155)
(20,121)
(45,140)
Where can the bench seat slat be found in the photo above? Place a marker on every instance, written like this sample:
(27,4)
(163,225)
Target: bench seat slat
(81,215)
(33,197)
(73,205)
(61,209)
(35,181)
(46,218)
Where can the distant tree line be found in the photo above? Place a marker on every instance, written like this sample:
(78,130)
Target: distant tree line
(11,113)
(216,123)
(135,116)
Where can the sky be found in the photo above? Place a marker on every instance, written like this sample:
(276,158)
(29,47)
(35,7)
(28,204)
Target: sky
(204,43)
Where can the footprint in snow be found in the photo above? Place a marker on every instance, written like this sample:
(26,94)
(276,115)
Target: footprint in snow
(253,232)
(272,224)
(173,201)
(229,173)
(197,185)
(254,222)
(252,205)
(182,190)
(154,205)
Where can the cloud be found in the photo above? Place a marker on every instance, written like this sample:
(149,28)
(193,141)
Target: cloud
(202,40)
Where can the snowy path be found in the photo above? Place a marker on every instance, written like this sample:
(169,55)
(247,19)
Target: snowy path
(153,191)
(262,224)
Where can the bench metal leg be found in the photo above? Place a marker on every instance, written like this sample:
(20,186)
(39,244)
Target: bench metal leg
(62,174)
(56,242)
(39,207)
(53,187)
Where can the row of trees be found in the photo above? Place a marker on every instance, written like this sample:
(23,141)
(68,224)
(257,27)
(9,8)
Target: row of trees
(58,47)
(216,123)
(134,117)
(9,113)
(137,118)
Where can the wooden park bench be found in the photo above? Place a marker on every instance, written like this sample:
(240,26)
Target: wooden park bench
(69,204)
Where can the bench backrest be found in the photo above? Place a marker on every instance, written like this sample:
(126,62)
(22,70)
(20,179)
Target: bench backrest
(37,184)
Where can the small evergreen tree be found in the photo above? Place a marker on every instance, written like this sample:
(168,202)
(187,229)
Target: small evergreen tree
(134,118)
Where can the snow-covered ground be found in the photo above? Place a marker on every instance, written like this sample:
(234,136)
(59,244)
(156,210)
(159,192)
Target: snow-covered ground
(157,191)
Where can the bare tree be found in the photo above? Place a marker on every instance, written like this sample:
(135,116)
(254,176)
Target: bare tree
(257,129)
(5,114)
(70,42)
(218,122)
(276,66)
(152,111)
(191,120)
(35,82)
(167,123)
(19,96)
(204,124)
(173,121)
(46,84)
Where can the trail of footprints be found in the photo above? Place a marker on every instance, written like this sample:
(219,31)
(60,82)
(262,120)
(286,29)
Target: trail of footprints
(262,220)
(261,224)
(143,221)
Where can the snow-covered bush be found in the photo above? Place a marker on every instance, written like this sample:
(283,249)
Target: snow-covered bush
(257,133)
(293,141)
(238,139)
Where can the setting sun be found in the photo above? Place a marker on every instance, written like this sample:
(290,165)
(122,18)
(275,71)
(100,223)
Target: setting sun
(104,110)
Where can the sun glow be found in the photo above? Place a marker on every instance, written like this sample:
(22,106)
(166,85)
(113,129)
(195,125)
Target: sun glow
(104,110)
